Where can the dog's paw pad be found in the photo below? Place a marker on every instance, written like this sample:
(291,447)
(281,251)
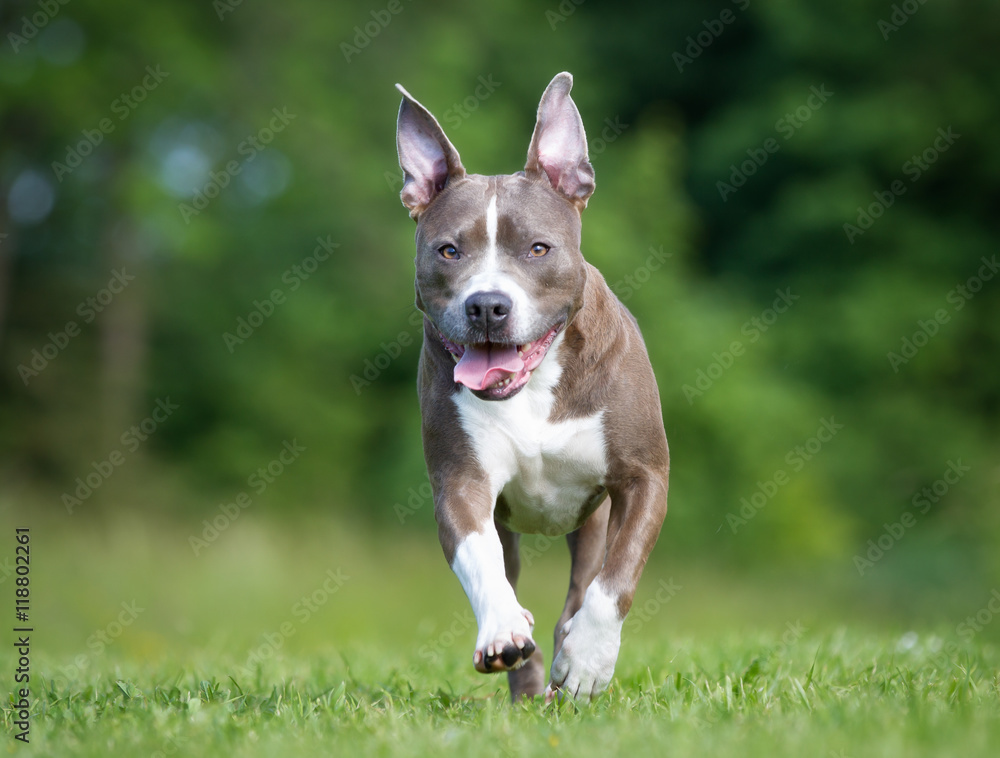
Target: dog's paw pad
(504,655)
(519,651)
(504,642)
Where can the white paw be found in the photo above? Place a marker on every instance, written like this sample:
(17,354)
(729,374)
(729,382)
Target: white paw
(586,662)
(504,641)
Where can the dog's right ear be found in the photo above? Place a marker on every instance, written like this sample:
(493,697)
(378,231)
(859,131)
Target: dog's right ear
(558,147)
(429,161)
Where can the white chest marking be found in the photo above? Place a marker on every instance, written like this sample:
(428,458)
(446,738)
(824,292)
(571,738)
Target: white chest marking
(547,471)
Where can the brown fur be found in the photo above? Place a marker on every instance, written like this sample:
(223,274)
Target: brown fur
(605,366)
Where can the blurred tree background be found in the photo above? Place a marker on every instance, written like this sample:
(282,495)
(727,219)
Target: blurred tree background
(203,256)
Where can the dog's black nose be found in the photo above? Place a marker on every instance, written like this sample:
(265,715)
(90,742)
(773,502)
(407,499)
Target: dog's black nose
(488,310)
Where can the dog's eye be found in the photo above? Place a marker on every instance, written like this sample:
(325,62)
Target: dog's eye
(539,249)
(448,251)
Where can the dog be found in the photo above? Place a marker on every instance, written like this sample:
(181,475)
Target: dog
(540,411)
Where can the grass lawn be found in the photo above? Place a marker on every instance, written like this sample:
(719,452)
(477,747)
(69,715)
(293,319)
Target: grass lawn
(328,641)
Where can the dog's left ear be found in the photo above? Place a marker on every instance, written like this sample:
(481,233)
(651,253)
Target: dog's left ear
(427,157)
(559,144)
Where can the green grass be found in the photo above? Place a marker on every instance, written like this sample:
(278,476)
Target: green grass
(382,666)
(839,695)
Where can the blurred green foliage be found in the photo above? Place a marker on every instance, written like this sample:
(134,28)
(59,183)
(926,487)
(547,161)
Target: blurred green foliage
(238,160)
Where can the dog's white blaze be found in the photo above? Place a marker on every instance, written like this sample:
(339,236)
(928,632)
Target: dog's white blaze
(489,264)
(547,471)
(586,662)
(490,277)
(491,234)
(478,564)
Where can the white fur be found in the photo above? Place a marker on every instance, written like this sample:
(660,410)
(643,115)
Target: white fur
(586,662)
(491,232)
(478,564)
(547,471)
(490,277)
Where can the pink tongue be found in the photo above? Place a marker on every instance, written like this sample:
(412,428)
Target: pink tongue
(482,365)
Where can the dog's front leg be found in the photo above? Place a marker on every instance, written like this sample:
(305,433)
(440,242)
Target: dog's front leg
(473,549)
(586,660)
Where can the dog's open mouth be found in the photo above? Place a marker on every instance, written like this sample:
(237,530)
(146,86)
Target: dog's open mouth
(497,371)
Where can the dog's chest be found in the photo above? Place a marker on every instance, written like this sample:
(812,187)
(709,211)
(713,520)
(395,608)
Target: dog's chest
(550,473)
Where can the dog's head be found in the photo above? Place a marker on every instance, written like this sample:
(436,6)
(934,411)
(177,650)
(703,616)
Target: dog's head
(499,268)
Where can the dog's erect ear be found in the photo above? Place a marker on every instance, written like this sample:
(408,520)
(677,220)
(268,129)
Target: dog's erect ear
(559,144)
(426,156)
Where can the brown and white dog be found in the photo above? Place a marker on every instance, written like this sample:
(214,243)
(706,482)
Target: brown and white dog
(540,408)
